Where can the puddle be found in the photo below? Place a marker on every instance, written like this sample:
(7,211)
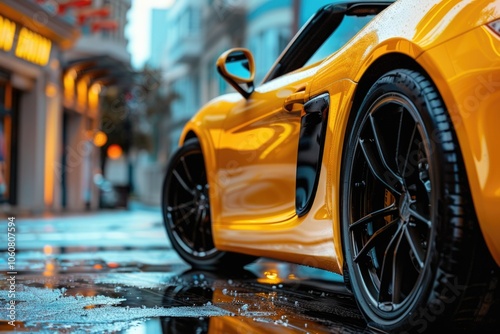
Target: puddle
(140,285)
(41,308)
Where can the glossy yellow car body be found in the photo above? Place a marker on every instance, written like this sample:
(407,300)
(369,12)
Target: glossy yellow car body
(378,161)
(256,138)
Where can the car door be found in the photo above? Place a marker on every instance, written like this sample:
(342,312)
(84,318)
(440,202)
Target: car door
(258,157)
(258,154)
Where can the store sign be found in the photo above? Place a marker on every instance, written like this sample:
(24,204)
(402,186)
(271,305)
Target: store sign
(33,47)
(7,33)
(30,46)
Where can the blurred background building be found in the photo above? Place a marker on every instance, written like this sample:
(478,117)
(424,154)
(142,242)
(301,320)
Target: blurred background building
(57,59)
(159,33)
(97,67)
(32,42)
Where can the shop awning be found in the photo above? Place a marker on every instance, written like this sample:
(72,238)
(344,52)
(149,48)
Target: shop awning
(103,69)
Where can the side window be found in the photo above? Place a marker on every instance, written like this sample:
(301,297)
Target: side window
(349,27)
(325,32)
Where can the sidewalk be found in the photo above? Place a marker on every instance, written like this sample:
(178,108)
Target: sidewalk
(137,226)
(133,204)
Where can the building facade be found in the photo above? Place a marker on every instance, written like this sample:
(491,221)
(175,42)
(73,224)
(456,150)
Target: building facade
(159,35)
(198,31)
(50,98)
(96,66)
(181,61)
(270,28)
(32,42)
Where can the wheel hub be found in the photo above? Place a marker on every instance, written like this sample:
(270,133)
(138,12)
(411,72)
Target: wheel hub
(404,207)
(201,198)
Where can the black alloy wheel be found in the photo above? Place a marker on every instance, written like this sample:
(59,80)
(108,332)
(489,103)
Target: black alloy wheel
(409,229)
(186,210)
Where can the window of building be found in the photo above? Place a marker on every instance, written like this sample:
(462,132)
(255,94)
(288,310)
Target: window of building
(193,21)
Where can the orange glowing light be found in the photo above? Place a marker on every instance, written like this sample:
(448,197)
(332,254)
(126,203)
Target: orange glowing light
(100,138)
(50,268)
(114,151)
(48,250)
(69,84)
(113,265)
(93,97)
(82,91)
(51,90)
(271,275)
(98,266)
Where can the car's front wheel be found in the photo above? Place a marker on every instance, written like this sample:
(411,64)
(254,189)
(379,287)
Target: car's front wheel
(186,211)
(414,253)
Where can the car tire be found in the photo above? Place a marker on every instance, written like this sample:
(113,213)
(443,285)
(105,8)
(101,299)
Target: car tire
(414,254)
(186,211)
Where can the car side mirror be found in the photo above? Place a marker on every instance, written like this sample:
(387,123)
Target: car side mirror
(237,67)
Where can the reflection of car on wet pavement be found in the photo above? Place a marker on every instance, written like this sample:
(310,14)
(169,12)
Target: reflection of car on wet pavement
(370,150)
(257,304)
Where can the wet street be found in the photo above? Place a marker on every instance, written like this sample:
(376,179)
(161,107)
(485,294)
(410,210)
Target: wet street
(115,272)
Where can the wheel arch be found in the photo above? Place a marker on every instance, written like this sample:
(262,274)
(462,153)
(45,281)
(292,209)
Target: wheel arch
(208,150)
(383,64)
(189,135)
(207,147)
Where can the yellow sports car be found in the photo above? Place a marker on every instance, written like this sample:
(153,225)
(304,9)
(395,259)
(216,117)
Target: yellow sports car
(371,149)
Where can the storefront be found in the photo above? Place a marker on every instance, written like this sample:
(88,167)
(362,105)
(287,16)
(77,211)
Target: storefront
(31,44)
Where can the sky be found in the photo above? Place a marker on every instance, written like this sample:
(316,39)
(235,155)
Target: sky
(138,29)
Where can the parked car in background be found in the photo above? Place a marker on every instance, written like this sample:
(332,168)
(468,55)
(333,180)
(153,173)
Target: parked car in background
(370,149)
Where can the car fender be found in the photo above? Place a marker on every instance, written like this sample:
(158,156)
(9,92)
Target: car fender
(207,125)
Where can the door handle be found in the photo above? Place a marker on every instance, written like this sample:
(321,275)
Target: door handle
(294,98)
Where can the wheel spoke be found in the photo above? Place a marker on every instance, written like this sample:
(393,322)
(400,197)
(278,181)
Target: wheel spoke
(388,179)
(397,271)
(378,237)
(408,151)
(415,246)
(203,222)
(387,268)
(188,174)
(398,141)
(389,210)
(184,217)
(181,182)
(196,226)
(382,151)
(180,206)
(420,218)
